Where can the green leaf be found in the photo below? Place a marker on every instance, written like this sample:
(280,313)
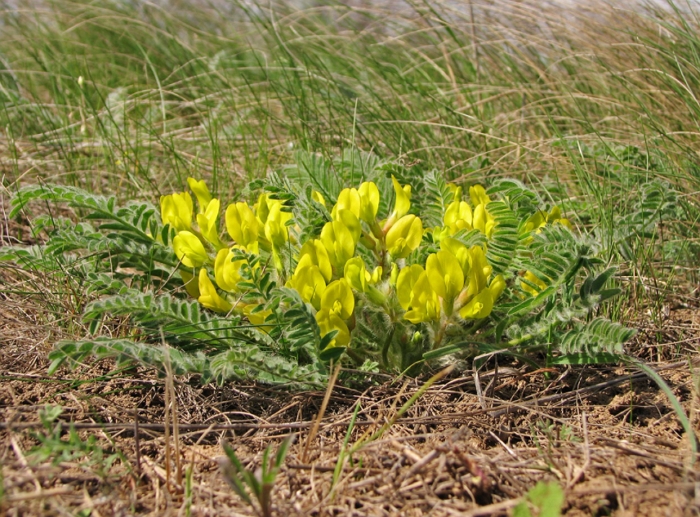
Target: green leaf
(331,353)
(548,497)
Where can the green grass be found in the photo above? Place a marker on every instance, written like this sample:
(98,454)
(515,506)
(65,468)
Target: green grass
(599,112)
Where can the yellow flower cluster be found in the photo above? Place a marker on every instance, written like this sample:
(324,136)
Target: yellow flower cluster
(264,226)
(455,279)
(328,270)
(453,284)
(461,216)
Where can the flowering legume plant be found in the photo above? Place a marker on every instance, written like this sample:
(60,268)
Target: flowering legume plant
(390,272)
(452,285)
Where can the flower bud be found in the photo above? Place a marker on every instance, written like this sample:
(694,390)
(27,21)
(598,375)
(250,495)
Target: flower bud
(207,222)
(201,191)
(318,197)
(369,202)
(402,204)
(537,284)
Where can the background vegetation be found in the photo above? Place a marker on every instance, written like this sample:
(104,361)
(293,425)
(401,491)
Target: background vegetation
(598,109)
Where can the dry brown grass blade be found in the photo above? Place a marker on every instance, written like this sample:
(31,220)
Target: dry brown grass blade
(317,421)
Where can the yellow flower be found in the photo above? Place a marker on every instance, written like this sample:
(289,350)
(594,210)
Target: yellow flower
(176,210)
(308,281)
(338,299)
(416,295)
(478,307)
(479,271)
(403,199)
(351,222)
(209,297)
(554,217)
(497,285)
(478,195)
(189,249)
(356,274)
(404,236)
(405,281)
(227,271)
(243,226)
(440,233)
(361,280)
(445,276)
(207,222)
(535,289)
(348,199)
(458,216)
(425,304)
(369,201)
(376,275)
(540,219)
(456,191)
(481,305)
(201,191)
(276,225)
(313,253)
(483,221)
(339,244)
(329,321)
(459,250)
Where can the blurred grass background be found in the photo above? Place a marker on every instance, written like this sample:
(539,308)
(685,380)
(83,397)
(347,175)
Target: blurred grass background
(594,105)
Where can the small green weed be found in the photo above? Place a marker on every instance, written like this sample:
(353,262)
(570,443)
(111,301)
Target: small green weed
(58,446)
(255,484)
(543,500)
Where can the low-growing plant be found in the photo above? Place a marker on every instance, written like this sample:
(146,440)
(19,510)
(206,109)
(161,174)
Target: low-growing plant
(58,445)
(546,499)
(354,260)
(257,483)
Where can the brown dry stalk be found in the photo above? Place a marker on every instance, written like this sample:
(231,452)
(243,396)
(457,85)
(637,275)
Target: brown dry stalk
(321,413)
